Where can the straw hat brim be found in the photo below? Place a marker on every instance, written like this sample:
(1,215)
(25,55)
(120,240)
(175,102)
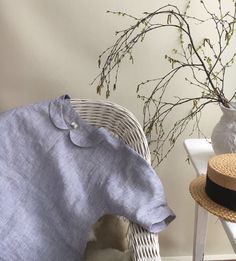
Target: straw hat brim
(197,190)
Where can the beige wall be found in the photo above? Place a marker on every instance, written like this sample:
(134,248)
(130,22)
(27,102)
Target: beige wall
(49,48)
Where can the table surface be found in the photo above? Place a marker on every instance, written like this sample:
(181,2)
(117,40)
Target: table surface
(199,151)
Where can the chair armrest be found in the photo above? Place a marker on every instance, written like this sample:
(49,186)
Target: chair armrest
(143,245)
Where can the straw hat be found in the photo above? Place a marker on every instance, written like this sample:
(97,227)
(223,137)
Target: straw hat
(216,191)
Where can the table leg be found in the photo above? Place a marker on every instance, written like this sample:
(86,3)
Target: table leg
(200,227)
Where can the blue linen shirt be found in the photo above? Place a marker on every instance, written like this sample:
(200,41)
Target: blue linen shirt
(59,174)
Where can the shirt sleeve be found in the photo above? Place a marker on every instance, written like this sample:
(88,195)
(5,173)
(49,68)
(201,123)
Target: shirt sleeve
(134,190)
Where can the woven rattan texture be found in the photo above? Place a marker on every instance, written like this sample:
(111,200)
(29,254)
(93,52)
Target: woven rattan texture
(222,170)
(197,190)
(122,123)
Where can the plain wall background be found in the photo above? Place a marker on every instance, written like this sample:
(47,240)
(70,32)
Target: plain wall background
(49,48)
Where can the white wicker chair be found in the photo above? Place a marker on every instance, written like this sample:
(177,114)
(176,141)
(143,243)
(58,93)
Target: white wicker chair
(121,122)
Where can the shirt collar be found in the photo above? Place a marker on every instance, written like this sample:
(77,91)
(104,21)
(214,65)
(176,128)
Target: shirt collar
(64,117)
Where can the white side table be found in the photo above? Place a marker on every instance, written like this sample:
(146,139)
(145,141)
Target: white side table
(199,151)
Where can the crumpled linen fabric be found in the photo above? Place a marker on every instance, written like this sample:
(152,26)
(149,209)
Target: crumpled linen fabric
(59,174)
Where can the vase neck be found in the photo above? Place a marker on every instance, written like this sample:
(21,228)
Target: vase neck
(229,112)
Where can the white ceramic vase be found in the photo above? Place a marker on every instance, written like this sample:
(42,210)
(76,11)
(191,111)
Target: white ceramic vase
(224,134)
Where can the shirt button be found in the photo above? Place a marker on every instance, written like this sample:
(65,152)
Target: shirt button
(74,125)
